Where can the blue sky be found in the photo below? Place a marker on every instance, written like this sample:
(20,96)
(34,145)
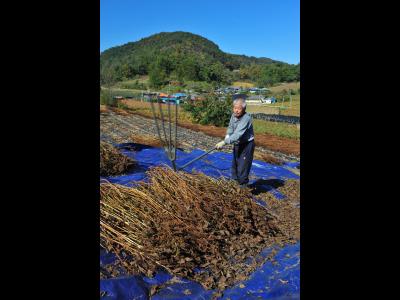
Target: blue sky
(261,28)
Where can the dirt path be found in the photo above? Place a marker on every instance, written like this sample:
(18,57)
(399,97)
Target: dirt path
(123,127)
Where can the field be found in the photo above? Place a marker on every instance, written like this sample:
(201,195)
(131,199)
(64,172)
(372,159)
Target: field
(125,126)
(277,128)
(260,126)
(276,108)
(144,109)
(125,92)
(284,108)
(140,79)
(285,86)
(243,84)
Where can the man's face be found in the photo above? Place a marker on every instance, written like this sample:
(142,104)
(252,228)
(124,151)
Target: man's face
(238,110)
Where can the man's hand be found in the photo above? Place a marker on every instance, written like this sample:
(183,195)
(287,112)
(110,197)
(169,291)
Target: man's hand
(220,145)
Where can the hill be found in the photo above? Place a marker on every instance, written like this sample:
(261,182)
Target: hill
(177,56)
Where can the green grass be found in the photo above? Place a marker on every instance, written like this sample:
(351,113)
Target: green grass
(260,126)
(277,128)
(294,110)
(144,108)
(287,108)
(141,79)
(126,92)
(131,84)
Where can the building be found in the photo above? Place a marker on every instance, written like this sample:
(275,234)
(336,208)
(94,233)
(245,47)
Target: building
(270,100)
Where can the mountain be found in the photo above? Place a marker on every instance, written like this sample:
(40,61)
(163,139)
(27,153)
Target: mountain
(182,55)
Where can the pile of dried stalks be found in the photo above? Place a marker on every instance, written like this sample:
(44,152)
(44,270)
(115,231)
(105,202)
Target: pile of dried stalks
(147,140)
(291,189)
(113,162)
(180,221)
(286,211)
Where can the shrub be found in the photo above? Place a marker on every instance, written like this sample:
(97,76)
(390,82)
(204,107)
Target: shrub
(122,105)
(211,111)
(107,99)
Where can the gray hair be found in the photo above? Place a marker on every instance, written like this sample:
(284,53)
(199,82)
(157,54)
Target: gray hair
(241,100)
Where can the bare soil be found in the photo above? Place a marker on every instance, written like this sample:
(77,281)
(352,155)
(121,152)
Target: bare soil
(265,140)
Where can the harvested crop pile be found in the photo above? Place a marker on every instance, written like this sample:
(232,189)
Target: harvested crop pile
(180,221)
(113,162)
(146,140)
(268,158)
(287,210)
(291,189)
(149,140)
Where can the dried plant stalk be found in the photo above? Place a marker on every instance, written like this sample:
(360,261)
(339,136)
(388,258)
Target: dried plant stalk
(181,221)
(113,162)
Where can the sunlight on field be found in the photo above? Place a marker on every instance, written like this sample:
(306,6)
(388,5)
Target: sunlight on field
(144,109)
(184,118)
(243,84)
(285,86)
(287,108)
(277,128)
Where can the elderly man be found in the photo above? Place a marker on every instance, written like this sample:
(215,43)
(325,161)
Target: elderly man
(240,133)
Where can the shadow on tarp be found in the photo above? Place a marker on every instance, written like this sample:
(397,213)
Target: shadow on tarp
(278,280)
(265,185)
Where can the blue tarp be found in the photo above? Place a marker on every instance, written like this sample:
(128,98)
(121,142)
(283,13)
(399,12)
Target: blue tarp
(179,95)
(278,280)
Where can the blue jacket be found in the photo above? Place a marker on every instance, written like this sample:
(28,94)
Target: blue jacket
(240,130)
